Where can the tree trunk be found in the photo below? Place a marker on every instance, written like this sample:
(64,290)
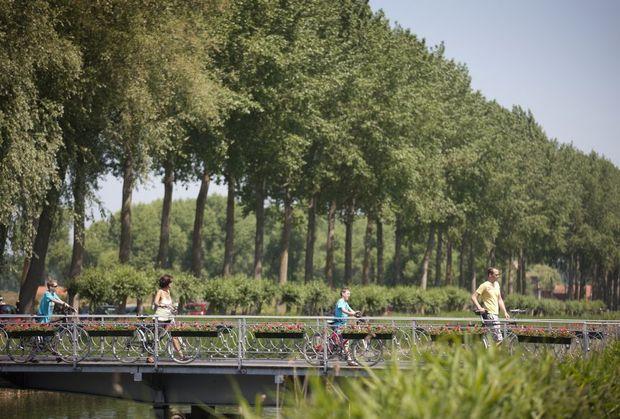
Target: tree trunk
(79,205)
(230,228)
(3,237)
(571,273)
(582,287)
(398,251)
(348,243)
(449,262)
(577,278)
(509,275)
(310,239)
(329,246)
(36,269)
(285,239)
(260,230)
(439,256)
(124,252)
(201,203)
(491,261)
(367,251)
(617,291)
(163,255)
(472,267)
(380,265)
(522,287)
(427,256)
(605,287)
(462,262)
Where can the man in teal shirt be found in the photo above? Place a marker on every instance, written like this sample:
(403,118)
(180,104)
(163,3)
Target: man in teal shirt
(46,306)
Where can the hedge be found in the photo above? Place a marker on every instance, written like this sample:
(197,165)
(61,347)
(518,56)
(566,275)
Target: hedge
(240,294)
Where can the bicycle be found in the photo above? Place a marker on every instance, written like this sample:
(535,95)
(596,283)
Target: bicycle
(366,351)
(149,340)
(141,344)
(509,339)
(69,342)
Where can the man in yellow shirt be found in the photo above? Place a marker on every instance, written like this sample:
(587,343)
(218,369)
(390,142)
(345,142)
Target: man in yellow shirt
(489,292)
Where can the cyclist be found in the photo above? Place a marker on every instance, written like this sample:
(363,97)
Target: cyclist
(489,292)
(50,298)
(341,313)
(165,310)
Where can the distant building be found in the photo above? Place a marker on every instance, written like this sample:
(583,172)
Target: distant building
(559,292)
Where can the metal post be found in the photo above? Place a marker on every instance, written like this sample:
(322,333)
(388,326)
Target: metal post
(279,380)
(414,339)
(74,339)
(156,344)
(240,344)
(325,340)
(585,344)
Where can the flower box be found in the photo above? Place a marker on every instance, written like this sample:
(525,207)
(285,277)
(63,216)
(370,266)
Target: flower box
(591,334)
(362,331)
(279,335)
(354,335)
(110,333)
(551,340)
(363,335)
(455,337)
(200,330)
(278,330)
(383,336)
(29,333)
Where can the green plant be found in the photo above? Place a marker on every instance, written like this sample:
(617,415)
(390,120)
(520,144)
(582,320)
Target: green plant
(467,384)
(372,300)
(292,295)
(319,299)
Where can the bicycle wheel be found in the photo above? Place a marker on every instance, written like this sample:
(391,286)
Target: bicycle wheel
(149,341)
(101,347)
(421,342)
(368,351)
(22,349)
(128,349)
(3,338)
(184,350)
(313,349)
(69,342)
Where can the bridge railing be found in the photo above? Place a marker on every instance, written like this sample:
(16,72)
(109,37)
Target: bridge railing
(243,340)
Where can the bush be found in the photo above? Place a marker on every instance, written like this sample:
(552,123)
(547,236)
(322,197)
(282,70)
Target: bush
(113,284)
(292,295)
(456,299)
(94,285)
(319,299)
(403,299)
(372,300)
(221,294)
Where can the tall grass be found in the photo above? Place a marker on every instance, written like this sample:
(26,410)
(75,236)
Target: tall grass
(469,384)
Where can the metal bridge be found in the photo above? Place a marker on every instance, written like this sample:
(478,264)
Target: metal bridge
(214,360)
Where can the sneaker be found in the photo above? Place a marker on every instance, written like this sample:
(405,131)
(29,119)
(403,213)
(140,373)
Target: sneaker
(352,363)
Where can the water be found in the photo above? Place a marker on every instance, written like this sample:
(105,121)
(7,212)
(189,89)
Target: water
(34,404)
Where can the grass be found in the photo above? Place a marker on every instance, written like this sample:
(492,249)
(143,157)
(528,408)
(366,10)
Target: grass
(467,384)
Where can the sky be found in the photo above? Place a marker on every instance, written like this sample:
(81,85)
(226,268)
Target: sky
(558,58)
